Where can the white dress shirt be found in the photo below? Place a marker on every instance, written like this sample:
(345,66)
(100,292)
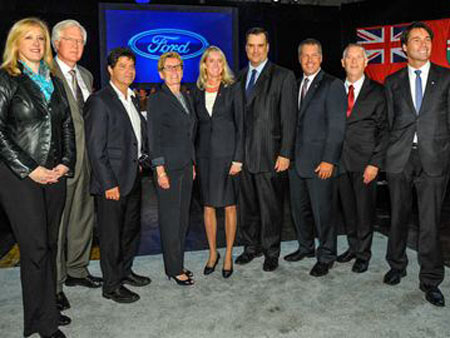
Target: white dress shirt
(310,80)
(412,84)
(132,114)
(259,70)
(210,98)
(65,69)
(357,85)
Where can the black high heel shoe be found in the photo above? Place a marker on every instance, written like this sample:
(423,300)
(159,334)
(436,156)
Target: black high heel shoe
(186,282)
(209,270)
(227,273)
(188,273)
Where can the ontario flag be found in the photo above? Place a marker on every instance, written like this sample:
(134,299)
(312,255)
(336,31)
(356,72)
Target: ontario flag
(384,49)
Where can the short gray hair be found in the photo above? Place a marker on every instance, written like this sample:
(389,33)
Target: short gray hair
(344,53)
(310,41)
(62,25)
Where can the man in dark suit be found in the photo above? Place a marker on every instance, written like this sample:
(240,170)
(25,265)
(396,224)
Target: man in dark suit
(77,221)
(418,155)
(318,145)
(116,141)
(362,157)
(270,115)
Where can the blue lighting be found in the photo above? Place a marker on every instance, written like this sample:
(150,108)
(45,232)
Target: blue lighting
(142,1)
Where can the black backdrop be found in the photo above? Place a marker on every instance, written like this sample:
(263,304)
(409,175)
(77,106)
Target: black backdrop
(287,26)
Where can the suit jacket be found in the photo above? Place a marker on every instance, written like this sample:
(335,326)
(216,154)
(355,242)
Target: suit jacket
(432,123)
(270,115)
(320,125)
(366,133)
(221,135)
(171,130)
(77,115)
(111,142)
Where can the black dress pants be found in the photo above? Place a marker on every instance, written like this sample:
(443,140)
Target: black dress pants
(173,213)
(34,211)
(261,206)
(313,195)
(358,201)
(119,229)
(430,195)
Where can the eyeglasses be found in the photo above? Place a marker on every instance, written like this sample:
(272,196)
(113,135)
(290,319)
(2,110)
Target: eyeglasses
(73,41)
(173,68)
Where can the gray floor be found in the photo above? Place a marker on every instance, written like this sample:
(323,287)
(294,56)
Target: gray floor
(253,303)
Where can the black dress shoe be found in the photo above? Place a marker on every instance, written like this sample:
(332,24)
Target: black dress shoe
(182,282)
(360,266)
(298,256)
(56,334)
(210,269)
(188,273)
(122,295)
(270,264)
(393,276)
(63,320)
(433,295)
(62,303)
(320,269)
(227,273)
(88,281)
(136,280)
(345,257)
(246,257)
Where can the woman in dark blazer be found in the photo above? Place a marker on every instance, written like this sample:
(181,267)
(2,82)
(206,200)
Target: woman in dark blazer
(219,150)
(171,136)
(37,150)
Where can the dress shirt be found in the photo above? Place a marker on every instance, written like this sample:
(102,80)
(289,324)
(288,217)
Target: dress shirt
(210,98)
(65,69)
(259,69)
(133,114)
(310,80)
(412,84)
(357,85)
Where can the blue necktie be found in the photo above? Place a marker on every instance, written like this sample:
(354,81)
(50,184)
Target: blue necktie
(251,83)
(418,90)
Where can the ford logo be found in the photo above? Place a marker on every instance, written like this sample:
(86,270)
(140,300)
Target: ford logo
(153,43)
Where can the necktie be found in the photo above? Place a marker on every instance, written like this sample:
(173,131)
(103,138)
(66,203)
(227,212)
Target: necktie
(418,90)
(251,83)
(77,89)
(304,90)
(350,100)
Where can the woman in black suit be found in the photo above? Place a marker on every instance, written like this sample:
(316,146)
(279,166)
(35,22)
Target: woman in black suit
(37,150)
(219,150)
(171,131)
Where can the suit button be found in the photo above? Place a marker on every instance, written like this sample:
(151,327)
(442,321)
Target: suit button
(135,144)
(135,161)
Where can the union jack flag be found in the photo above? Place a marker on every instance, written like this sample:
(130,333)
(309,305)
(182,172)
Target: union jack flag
(382,43)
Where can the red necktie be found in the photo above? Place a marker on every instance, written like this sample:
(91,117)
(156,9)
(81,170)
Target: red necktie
(350,100)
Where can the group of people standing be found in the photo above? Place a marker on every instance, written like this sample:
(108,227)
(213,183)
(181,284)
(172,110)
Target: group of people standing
(63,147)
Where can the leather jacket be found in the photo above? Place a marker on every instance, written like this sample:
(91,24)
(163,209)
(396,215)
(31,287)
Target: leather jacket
(34,132)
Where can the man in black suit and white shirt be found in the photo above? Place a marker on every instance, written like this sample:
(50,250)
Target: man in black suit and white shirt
(270,115)
(318,145)
(116,141)
(362,157)
(418,99)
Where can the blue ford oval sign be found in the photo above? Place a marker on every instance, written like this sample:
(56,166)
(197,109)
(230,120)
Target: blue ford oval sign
(153,43)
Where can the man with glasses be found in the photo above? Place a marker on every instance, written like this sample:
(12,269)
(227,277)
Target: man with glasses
(77,222)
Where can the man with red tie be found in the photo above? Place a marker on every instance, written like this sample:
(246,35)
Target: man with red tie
(362,156)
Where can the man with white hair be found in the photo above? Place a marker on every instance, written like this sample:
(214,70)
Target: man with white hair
(77,222)
(363,155)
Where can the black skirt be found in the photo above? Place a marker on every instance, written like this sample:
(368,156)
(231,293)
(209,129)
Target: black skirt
(217,187)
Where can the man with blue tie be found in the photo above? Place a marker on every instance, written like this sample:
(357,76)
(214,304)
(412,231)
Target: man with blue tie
(418,99)
(270,116)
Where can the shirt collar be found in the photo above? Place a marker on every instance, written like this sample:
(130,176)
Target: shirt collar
(259,68)
(357,84)
(64,67)
(130,93)
(311,77)
(425,69)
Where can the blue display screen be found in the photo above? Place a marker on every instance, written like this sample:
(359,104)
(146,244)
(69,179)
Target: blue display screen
(152,30)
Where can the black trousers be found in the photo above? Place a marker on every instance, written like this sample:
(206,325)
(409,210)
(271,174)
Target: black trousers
(358,202)
(119,229)
(34,212)
(261,206)
(313,195)
(430,195)
(173,214)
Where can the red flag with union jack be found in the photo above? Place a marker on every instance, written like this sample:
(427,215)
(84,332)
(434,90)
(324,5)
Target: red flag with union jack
(385,53)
